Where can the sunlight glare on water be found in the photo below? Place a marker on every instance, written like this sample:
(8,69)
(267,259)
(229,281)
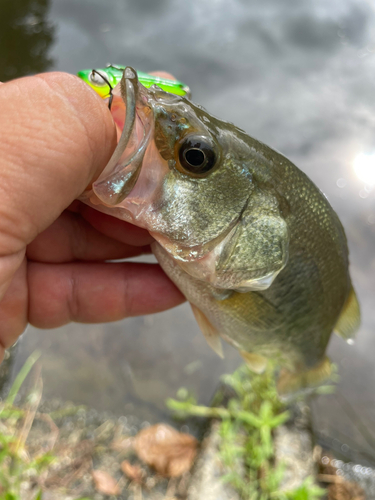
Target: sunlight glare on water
(364,167)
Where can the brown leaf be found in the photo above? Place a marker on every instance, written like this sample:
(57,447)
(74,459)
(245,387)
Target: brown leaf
(169,452)
(345,491)
(105,483)
(133,472)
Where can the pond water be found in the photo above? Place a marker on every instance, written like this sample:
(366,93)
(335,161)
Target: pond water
(296,74)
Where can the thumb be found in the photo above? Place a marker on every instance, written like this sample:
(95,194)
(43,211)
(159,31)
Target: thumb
(56,137)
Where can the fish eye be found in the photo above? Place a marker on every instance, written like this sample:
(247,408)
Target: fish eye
(98,78)
(197,156)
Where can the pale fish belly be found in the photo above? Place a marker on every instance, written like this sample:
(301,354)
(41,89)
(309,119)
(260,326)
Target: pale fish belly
(241,319)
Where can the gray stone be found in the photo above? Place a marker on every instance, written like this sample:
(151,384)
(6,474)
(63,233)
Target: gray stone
(294,448)
(206,483)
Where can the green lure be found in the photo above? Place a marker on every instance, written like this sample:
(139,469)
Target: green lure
(104,80)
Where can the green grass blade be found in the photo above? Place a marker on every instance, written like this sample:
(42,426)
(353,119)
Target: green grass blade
(23,373)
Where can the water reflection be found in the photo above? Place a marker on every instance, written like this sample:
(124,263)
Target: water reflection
(26,34)
(364,167)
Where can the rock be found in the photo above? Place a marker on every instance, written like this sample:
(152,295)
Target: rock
(294,448)
(206,483)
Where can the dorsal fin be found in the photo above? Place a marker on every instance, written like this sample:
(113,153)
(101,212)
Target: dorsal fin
(350,318)
(210,333)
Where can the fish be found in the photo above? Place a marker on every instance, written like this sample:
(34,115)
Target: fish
(247,237)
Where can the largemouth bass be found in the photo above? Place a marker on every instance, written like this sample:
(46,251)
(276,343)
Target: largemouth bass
(246,236)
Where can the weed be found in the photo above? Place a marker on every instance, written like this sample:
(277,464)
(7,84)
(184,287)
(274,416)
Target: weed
(19,466)
(246,430)
(15,463)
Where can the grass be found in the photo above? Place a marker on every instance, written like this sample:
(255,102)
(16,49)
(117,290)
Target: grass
(55,453)
(247,425)
(17,464)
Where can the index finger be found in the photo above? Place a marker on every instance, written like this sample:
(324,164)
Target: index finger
(57,135)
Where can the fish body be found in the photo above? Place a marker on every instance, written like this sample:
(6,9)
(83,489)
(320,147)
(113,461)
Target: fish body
(246,236)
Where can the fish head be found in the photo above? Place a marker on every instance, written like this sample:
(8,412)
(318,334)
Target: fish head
(190,180)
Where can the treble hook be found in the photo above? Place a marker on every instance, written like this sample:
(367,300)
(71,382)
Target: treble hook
(109,85)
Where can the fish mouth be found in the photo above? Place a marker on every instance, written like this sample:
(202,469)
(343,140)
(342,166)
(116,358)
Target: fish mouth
(122,171)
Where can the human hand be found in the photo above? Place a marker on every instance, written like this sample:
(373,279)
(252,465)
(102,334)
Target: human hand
(56,137)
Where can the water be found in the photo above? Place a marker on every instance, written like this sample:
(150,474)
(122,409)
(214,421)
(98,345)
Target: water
(296,74)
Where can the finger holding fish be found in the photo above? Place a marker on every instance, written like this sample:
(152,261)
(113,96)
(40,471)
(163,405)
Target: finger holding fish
(57,136)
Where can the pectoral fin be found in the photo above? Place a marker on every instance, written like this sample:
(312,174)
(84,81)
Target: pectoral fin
(255,362)
(290,382)
(350,318)
(210,333)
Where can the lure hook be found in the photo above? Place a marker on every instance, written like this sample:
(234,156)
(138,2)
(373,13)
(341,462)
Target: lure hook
(95,72)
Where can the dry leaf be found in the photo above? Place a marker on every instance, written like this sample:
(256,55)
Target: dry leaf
(133,472)
(169,452)
(339,488)
(105,483)
(346,491)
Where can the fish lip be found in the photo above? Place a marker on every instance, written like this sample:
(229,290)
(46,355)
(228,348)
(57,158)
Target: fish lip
(121,173)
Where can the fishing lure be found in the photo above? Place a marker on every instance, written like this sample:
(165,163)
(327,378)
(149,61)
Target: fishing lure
(104,80)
